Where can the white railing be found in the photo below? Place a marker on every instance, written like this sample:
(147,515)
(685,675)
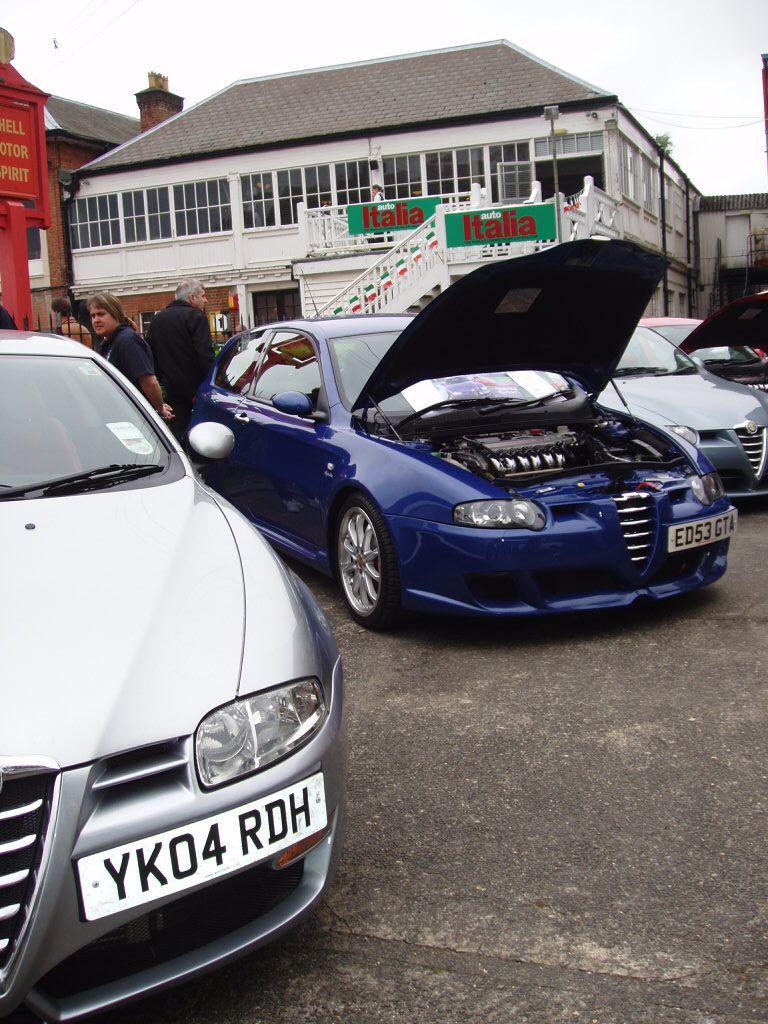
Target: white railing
(382,285)
(387,282)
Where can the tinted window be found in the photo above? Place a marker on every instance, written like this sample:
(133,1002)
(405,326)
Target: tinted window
(290,365)
(237,369)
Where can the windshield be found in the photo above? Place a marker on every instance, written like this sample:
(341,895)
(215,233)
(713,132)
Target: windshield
(65,416)
(727,354)
(648,353)
(356,356)
(676,333)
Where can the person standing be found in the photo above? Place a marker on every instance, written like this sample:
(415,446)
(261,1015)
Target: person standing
(69,326)
(125,349)
(7,323)
(180,339)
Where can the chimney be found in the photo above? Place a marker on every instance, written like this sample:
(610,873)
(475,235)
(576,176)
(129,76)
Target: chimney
(156,104)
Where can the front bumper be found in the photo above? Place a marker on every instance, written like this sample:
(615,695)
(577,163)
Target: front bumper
(579,562)
(66,967)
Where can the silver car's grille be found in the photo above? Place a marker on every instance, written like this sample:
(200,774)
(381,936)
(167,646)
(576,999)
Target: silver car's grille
(637,524)
(25,810)
(753,441)
(758,387)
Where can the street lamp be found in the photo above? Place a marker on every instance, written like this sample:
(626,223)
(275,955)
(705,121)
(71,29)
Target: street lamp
(552,114)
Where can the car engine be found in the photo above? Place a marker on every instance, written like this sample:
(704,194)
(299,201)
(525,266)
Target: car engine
(528,455)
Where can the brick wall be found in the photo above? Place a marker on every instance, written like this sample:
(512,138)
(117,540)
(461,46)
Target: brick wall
(153,302)
(69,156)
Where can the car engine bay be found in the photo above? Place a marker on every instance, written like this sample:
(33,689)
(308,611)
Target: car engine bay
(526,456)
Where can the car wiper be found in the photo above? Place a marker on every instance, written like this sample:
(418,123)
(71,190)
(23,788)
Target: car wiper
(92,479)
(640,371)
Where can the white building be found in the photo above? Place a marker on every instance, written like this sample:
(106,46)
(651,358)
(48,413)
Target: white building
(250,190)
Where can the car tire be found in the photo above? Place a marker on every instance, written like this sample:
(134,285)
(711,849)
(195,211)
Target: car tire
(366,564)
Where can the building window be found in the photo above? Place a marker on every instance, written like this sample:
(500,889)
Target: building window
(511,171)
(569,145)
(649,185)
(269,307)
(202,207)
(94,221)
(353,182)
(318,186)
(440,173)
(470,168)
(402,177)
(291,193)
(159,213)
(146,214)
(134,217)
(630,172)
(258,200)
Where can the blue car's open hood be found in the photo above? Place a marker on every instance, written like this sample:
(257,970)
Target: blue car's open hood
(570,309)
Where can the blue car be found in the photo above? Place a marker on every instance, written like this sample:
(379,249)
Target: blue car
(456,462)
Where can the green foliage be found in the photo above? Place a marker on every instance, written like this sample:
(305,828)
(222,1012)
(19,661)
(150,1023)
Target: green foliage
(664,142)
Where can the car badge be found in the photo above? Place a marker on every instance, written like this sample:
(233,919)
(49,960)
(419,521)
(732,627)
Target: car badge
(752,427)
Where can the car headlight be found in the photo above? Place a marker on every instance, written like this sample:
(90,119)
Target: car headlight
(690,435)
(253,732)
(500,515)
(707,488)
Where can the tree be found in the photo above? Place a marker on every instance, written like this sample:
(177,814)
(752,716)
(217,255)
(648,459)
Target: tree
(664,142)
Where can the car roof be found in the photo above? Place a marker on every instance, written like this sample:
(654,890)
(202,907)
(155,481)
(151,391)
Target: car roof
(35,343)
(666,321)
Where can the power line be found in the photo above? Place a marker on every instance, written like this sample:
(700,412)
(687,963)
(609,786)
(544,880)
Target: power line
(96,35)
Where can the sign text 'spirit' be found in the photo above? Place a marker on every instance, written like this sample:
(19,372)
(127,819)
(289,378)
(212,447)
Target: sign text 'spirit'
(17,164)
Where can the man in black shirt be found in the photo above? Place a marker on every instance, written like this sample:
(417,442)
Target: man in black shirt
(180,339)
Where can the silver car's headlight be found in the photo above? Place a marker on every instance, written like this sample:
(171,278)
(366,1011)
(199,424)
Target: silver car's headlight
(255,731)
(500,515)
(690,435)
(707,488)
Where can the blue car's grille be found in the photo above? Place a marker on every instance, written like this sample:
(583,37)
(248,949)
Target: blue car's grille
(25,802)
(754,444)
(637,524)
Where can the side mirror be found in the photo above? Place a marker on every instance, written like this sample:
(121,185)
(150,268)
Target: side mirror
(211,440)
(293,402)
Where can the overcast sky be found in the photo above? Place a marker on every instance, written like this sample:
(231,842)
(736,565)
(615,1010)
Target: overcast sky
(690,68)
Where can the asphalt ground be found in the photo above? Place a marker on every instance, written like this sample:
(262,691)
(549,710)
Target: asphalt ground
(560,822)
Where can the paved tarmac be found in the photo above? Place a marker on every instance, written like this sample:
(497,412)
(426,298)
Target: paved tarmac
(559,822)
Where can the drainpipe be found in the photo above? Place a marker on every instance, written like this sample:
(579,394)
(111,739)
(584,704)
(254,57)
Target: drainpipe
(688,242)
(663,212)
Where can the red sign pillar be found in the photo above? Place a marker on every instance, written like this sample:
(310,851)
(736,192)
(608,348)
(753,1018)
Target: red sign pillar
(24,199)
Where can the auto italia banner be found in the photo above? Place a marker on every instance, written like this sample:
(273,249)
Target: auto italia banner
(402,215)
(501,225)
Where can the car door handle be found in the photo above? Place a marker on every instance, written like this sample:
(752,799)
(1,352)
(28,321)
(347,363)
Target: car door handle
(241,417)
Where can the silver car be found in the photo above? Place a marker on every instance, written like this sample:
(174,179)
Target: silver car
(172,741)
(727,421)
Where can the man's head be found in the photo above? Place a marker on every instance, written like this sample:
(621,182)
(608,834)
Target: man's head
(193,292)
(61,306)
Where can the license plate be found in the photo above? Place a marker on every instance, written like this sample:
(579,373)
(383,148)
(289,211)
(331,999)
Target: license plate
(170,862)
(703,531)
